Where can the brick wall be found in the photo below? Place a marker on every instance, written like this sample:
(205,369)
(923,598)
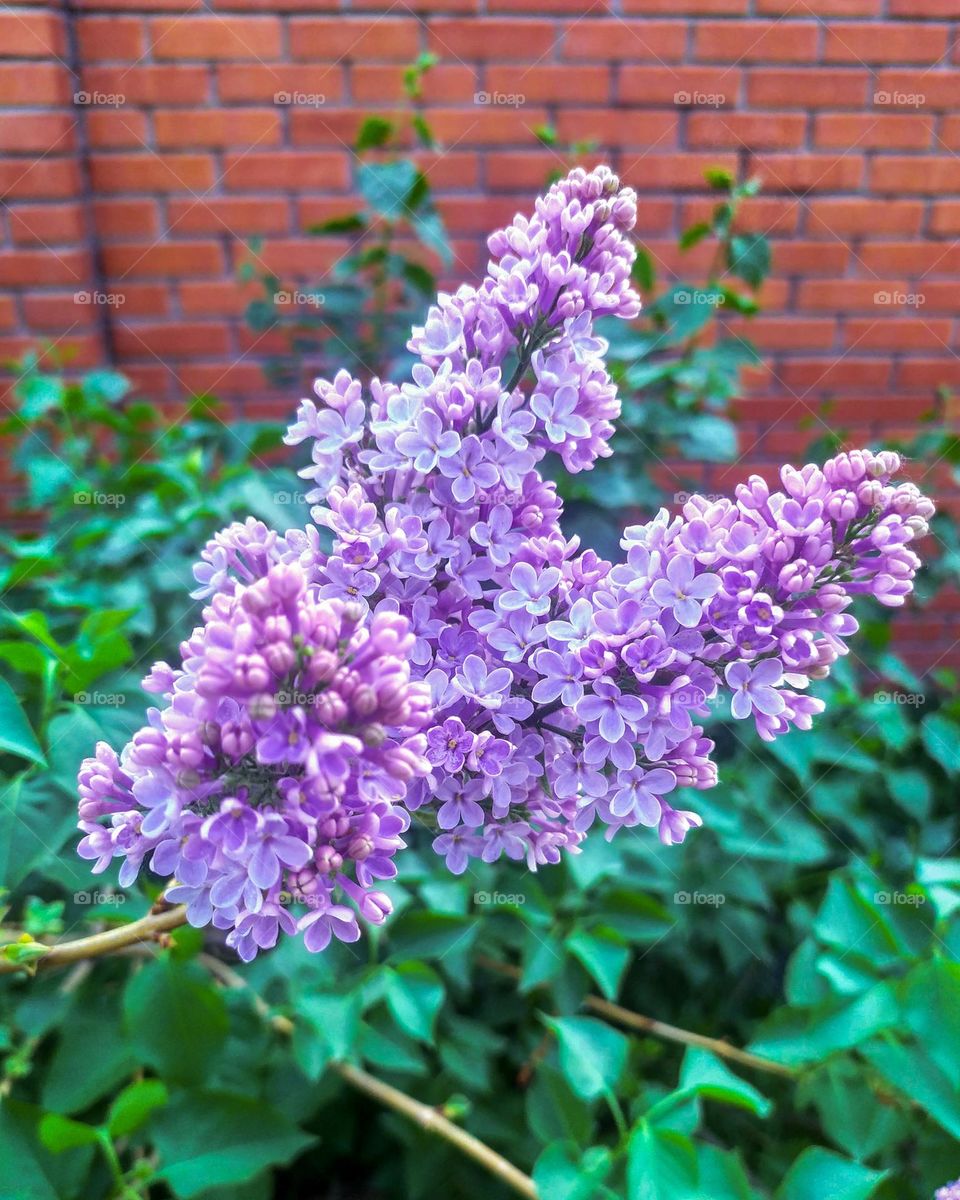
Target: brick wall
(845,108)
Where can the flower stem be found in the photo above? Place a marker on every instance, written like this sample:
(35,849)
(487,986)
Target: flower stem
(109,941)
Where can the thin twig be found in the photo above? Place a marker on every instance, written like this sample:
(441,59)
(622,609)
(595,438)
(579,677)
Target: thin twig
(429,1119)
(671,1033)
(109,941)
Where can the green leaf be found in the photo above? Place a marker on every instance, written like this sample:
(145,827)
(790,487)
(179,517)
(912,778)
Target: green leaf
(592,1055)
(16,734)
(661,1165)
(748,257)
(561,1174)
(917,1077)
(709,1077)
(134,1105)
(931,1007)
(709,437)
(604,954)
(176,1020)
(941,736)
(327,1027)
(553,1112)
(351,223)
(420,934)
(820,1173)
(209,1140)
(386,187)
(694,234)
(719,178)
(375,131)
(61,1133)
(643,272)
(415,995)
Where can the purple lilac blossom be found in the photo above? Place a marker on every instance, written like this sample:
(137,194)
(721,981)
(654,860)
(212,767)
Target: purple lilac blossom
(563,689)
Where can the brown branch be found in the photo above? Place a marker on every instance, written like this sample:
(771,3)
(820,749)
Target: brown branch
(671,1033)
(108,941)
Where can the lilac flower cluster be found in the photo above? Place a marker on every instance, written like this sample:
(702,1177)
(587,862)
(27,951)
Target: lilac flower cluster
(274,772)
(563,689)
(949,1191)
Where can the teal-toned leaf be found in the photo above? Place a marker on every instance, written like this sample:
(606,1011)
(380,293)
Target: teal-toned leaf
(705,1074)
(386,187)
(134,1105)
(604,954)
(16,735)
(748,257)
(661,1165)
(827,1176)
(561,1173)
(592,1054)
(414,996)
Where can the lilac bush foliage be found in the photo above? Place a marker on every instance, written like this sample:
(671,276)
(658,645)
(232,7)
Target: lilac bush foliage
(434,644)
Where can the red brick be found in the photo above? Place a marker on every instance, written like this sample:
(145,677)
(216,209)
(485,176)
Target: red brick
(853,374)
(217,38)
(928,374)
(110,39)
(37,132)
(755,41)
(863,217)
(923,8)
(326,40)
(143,299)
(807,88)
(598,8)
(809,172)
(822,8)
(949,133)
(125,218)
(787,333)
(474,126)
(467,214)
(731,130)
(294,171)
(33,84)
(945,218)
(911,258)
(810,258)
(769,214)
(47,224)
(894,131)
(884,42)
(927,176)
(300,257)
(35,268)
(898,333)
(40,179)
(472,40)
(116,128)
(233,215)
(8,313)
(150,173)
(918,90)
(219,298)
(148,84)
(256,81)
(648,85)
(31,35)
(551,83)
(149,260)
(217,127)
(839,295)
(58,311)
(174,340)
(728,8)
(614,127)
(456,169)
(634,41)
(941,297)
(238,378)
